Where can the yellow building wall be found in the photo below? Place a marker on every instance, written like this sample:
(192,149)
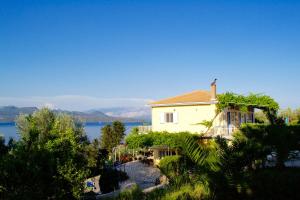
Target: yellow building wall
(188,118)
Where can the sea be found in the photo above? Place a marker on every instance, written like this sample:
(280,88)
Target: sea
(93,130)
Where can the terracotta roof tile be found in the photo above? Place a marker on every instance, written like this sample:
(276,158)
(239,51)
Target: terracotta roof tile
(192,97)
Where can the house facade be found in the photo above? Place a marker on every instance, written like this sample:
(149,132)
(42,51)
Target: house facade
(188,112)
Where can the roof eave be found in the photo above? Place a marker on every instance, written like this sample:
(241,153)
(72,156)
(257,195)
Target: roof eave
(184,104)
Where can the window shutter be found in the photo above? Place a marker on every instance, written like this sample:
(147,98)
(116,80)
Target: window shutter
(162,118)
(175,117)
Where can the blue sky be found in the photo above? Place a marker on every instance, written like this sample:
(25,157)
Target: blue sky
(90,54)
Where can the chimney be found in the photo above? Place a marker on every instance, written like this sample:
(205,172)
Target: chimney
(213,90)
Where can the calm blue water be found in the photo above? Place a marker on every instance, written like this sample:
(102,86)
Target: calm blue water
(92,129)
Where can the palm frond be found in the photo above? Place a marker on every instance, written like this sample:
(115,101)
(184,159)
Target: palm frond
(204,155)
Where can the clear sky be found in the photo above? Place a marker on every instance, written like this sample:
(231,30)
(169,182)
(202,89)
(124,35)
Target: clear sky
(91,54)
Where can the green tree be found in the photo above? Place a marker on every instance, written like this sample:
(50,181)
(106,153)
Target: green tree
(107,138)
(119,130)
(3,147)
(112,135)
(96,157)
(48,162)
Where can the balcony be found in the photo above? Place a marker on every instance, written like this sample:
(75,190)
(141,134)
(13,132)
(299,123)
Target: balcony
(145,129)
(222,131)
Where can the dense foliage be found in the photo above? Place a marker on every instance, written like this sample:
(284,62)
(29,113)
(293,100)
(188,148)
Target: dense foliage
(218,169)
(50,161)
(182,192)
(110,178)
(173,140)
(239,170)
(171,165)
(265,139)
(133,193)
(263,102)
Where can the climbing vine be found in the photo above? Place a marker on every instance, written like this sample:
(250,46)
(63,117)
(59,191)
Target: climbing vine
(267,104)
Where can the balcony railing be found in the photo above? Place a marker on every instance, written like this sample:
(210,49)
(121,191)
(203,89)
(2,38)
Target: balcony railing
(145,129)
(223,131)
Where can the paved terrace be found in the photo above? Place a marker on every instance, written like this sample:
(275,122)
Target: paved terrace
(141,174)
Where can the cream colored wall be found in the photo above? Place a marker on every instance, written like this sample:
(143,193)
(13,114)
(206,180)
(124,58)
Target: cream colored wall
(220,125)
(188,117)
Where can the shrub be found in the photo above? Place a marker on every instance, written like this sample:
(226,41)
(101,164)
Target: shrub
(156,194)
(273,184)
(110,178)
(266,138)
(173,140)
(122,176)
(186,192)
(133,193)
(170,165)
(135,141)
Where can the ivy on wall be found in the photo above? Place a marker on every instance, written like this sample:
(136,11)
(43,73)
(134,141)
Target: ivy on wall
(267,104)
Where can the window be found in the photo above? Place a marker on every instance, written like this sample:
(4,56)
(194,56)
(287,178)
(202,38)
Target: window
(169,118)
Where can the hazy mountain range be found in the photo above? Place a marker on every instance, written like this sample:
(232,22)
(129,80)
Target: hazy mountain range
(143,113)
(9,114)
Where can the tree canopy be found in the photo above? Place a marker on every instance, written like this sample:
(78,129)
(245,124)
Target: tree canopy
(112,135)
(50,161)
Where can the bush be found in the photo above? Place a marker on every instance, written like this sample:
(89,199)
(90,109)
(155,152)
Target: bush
(133,193)
(272,184)
(135,141)
(122,176)
(110,178)
(266,138)
(173,140)
(170,165)
(156,194)
(184,192)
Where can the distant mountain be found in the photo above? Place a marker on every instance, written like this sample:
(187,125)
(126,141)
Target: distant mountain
(143,113)
(9,114)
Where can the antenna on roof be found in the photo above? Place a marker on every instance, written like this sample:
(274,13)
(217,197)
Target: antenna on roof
(214,82)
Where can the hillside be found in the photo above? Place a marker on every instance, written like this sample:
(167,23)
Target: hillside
(9,114)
